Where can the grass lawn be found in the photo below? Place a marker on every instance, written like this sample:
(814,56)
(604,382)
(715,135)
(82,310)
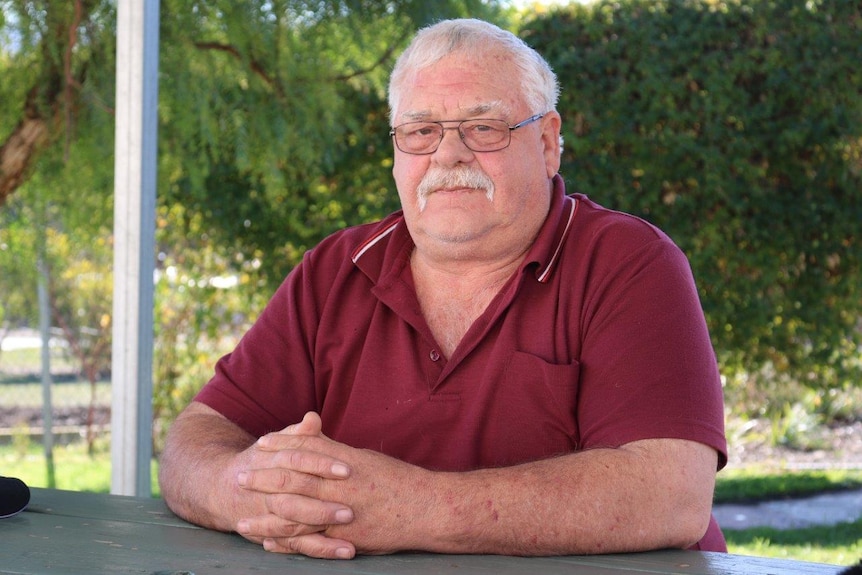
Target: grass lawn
(838,545)
(759,484)
(74,469)
(835,545)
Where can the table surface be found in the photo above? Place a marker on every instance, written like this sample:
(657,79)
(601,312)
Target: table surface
(74,532)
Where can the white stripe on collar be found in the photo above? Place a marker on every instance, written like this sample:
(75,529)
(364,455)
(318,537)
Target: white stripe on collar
(573,205)
(372,241)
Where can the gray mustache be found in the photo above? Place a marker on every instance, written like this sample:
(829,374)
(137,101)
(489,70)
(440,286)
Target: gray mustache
(459,178)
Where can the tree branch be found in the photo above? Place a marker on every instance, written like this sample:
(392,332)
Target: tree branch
(39,123)
(20,148)
(261,72)
(70,82)
(380,61)
(255,66)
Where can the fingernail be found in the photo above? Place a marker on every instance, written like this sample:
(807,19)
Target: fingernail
(344,516)
(344,553)
(340,470)
(242,478)
(243,527)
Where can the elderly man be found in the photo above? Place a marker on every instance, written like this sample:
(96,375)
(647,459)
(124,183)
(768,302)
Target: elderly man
(498,368)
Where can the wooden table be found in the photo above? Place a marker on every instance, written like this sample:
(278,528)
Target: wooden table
(87,533)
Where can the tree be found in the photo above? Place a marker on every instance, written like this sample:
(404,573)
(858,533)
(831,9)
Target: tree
(57,69)
(737,128)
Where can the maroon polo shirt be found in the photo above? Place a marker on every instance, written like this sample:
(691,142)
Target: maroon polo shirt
(596,341)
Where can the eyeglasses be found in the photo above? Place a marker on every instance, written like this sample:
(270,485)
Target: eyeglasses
(479,134)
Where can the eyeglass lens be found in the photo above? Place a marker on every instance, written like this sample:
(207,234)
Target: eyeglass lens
(480,135)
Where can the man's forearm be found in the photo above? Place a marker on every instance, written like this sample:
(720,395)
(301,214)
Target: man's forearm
(646,495)
(600,501)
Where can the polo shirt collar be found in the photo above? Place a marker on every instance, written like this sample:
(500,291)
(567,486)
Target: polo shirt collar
(386,250)
(544,254)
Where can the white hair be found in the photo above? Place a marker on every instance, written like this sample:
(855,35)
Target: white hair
(537,82)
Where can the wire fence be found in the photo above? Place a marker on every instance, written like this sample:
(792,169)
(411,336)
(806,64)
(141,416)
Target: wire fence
(77,409)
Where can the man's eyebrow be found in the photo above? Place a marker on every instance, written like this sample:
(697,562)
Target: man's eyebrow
(485,108)
(415,115)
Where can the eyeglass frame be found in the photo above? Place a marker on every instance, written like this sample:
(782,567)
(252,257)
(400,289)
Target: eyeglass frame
(530,120)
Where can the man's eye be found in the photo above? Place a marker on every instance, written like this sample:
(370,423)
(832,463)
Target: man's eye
(483,129)
(421,131)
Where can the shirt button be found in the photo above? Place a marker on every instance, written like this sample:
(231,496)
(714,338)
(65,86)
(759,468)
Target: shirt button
(434,355)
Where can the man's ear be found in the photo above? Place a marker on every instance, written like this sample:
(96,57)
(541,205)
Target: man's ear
(552,141)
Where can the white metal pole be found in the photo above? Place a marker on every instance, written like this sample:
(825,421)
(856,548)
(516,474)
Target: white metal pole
(47,381)
(134,243)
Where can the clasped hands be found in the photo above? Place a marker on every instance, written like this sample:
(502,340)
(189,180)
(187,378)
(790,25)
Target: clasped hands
(318,497)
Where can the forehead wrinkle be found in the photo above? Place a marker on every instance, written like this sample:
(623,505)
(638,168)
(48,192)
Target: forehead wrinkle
(475,111)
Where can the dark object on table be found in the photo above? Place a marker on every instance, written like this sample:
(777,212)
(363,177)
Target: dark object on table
(14,496)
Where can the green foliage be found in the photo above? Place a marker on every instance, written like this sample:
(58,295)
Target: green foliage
(57,77)
(203,303)
(755,484)
(18,254)
(78,262)
(737,128)
(56,73)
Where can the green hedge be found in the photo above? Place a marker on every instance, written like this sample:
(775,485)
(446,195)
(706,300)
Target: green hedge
(737,128)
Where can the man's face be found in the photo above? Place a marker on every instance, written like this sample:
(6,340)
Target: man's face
(458,196)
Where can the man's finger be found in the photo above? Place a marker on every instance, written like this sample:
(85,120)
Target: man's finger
(314,545)
(310,425)
(308,511)
(293,515)
(267,526)
(283,479)
(308,454)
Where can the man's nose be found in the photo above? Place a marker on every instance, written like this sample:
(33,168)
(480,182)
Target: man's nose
(452,149)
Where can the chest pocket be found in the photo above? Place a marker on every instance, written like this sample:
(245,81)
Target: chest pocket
(531,410)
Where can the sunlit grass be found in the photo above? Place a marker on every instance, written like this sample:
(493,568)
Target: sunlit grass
(74,468)
(836,545)
(759,484)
